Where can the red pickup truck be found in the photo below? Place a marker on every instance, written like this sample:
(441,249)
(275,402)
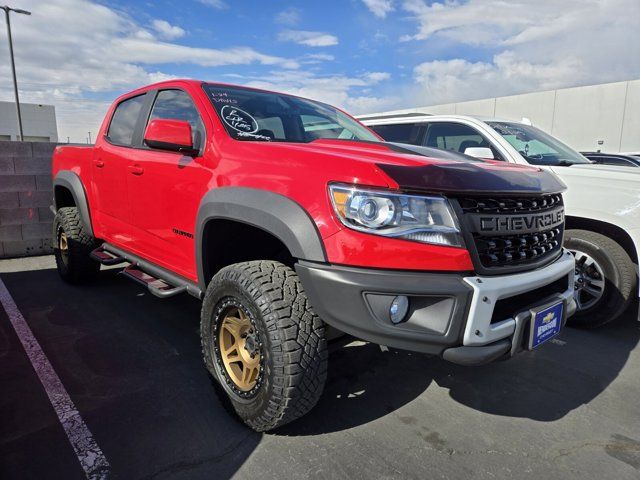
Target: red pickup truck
(283,213)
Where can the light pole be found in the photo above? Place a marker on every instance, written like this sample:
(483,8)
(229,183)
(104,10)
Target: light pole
(8,9)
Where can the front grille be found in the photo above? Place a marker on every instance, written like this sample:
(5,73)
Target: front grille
(510,250)
(521,231)
(509,204)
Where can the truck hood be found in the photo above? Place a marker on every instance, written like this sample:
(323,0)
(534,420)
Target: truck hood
(599,173)
(417,168)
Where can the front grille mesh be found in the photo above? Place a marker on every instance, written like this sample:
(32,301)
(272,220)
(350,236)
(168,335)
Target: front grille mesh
(516,249)
(495,251)
(509,204)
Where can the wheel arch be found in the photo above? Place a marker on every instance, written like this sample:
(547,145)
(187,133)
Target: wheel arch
(614,232)
(68,191)
(271,216)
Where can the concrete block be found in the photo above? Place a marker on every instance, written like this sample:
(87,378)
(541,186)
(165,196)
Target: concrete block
(15,149)
(35,198)
(9,199)
(45,214)
(44,182)
(10,233)
(31,165)
(6,166)
(25,248)
(34,231)
(43,149)
(19,216)
(17,183)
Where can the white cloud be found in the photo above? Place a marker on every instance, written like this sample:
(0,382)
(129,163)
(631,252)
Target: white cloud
(541,44)
(156,53)
(310,39)
(376,77)
(166,30)
(219,4)
(70,52)
(380,8)
(289,16)
(316,58)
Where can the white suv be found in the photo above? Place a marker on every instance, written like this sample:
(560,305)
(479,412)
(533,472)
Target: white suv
(602,203)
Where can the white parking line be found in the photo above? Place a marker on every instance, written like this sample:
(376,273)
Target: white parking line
(91,458)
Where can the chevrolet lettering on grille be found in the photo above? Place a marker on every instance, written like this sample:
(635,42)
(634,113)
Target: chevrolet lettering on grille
(485,224)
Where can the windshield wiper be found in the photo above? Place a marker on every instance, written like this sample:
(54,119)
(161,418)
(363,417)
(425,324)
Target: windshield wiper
(564,163)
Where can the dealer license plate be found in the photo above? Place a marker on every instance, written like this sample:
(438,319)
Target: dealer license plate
(545,325)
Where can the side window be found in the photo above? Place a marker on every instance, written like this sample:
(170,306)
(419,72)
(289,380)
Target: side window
(456,137)
(124,120)
(177,105)
(401,133)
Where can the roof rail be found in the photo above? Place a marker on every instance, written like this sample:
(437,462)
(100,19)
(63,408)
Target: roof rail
(393,115)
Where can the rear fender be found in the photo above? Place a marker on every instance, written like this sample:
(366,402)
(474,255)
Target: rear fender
(71,181)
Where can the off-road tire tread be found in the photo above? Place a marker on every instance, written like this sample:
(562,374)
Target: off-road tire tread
(296,334)
(627,278)
(80,267)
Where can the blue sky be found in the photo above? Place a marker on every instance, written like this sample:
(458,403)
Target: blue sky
(363,55)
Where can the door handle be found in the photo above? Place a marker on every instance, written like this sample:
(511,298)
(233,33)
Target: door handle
(136,169)
(98,163)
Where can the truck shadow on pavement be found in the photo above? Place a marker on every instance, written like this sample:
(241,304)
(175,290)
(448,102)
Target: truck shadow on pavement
(365,383)
(132,364)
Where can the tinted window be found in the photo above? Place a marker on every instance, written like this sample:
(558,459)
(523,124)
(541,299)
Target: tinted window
(177,105)
(607,160)
(456,137)
(401,133)
(255,115)
(124,120)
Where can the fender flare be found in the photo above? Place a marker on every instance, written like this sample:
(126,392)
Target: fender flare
(271,212)
(71,181)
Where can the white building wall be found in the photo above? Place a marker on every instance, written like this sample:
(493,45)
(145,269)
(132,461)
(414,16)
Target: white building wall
(38,122)
(580,116)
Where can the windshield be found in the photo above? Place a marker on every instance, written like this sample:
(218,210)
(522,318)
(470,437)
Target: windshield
(273,117)
(537,147)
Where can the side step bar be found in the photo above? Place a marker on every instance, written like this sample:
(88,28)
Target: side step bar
(156,286)
(106,258)
(159,281)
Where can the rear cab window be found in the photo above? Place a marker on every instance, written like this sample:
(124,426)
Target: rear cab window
(124,119)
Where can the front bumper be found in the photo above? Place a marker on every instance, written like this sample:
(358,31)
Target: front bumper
(466,319)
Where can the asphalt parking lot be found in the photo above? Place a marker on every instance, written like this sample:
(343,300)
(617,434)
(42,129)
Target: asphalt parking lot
(131,364)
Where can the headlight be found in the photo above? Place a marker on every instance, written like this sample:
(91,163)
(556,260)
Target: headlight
(411,217)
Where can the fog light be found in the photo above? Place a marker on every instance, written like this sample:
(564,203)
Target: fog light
(398,309)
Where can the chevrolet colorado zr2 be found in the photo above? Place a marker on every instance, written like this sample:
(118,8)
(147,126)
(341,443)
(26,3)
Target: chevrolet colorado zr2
(283,214)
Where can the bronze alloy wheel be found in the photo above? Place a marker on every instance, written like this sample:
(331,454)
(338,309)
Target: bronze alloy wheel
(63,246)
(240,349)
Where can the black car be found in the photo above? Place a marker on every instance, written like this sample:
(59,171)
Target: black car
(617,159)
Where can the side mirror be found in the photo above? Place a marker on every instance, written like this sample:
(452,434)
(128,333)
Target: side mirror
(479,152)
(172,135)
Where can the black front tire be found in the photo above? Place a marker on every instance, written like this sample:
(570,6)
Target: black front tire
(73,259)
(619,272)
(292,342)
